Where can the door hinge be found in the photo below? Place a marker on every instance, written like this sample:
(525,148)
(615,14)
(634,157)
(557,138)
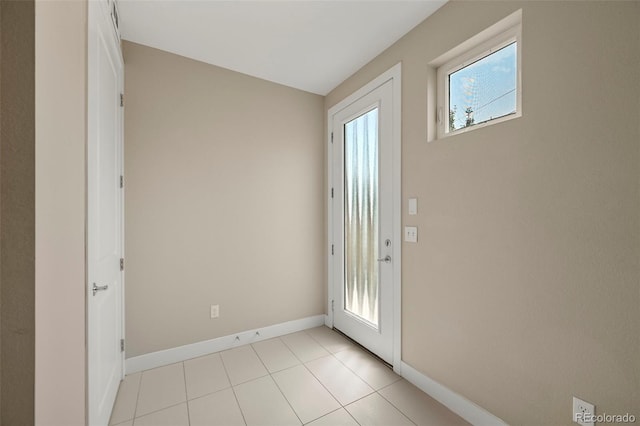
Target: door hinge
(121,345)
(122,263)
(332,249)
(331,137)
(331,192)
(121,181)
(332,303)
(121,99)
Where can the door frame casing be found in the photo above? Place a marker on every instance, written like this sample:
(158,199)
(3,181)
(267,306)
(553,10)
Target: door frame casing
(394,74)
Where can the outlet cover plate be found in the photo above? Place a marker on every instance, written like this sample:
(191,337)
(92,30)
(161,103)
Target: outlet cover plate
(215,311)
(582,408)
(411,234)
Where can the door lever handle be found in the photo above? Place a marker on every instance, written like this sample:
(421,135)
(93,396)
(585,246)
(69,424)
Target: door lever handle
(97,288)
(386,259)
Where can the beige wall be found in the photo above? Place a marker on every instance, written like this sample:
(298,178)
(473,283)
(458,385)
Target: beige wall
(17,225)
(223,201)
(61,33)
(524,287)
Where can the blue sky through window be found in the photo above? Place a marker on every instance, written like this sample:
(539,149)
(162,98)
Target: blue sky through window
(484,90)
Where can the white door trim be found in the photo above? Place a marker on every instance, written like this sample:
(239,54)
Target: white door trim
(394,74)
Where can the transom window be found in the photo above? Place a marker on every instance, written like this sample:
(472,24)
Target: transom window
(482,85)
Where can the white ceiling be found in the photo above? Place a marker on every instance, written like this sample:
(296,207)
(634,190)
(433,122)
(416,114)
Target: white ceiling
(309,45)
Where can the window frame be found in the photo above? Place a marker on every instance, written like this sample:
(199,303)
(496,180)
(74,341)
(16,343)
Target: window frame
(480,50)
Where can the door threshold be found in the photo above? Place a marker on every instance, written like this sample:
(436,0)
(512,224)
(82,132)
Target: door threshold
(385,363)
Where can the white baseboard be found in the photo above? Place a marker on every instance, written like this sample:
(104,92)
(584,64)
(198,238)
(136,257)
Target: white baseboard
(194,350)
(460,405)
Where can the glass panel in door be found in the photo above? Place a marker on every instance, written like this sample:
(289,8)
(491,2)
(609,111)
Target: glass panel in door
(361,215)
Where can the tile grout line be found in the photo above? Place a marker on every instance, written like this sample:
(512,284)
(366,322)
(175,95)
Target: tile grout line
(351,415)
(358,399)
(317,341)
(294,354)
(276,383)
(186,393)
(355,372)
(160,409)
(163,408)
(261,361)
(375,391)
(233,389)
(394,406)
(323,385)
(331,333)
(390,384)
(286,399)
(251,379)
(364,349)
(118,394)
(291,350)
(135,410)
(362,378)
(208,394)
(302,363)
(331,412)
(342,406)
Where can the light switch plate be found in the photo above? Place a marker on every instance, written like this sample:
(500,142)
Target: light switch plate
(413,206)
(411,234)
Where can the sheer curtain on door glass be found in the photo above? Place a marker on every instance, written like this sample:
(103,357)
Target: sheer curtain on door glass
(361,216)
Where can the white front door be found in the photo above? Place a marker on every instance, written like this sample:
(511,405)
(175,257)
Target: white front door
(104,216)
(364,226)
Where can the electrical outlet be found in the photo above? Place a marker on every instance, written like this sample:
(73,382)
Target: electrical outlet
(215,311)
(411,234)
(583,412)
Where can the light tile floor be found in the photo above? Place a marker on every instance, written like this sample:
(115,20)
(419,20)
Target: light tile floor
(315,377)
